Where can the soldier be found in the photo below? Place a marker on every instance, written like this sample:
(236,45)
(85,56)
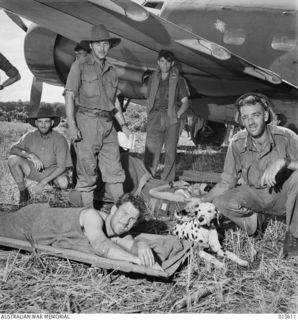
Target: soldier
(92,85)
(265,156)
(167,102)
(41,155)
(82,50)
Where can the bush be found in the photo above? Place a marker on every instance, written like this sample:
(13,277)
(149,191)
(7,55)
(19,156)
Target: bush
(136,117)
(19,110)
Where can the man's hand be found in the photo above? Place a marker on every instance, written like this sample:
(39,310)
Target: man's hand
(126,131)
(39,187)
(268,177)
(36,161)
(75,133)
(145,254)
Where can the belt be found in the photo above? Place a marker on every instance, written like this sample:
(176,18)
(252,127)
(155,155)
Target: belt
(104,114)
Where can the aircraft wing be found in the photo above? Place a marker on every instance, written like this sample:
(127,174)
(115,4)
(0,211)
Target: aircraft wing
(211,70)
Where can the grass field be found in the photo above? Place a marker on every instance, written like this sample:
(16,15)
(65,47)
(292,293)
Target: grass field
(35,282)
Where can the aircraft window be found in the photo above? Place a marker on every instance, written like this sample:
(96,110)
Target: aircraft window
(284,42)
(234,36)
(154,4)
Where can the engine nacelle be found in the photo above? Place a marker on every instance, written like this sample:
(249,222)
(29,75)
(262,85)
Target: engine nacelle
(49,57)
(39,47)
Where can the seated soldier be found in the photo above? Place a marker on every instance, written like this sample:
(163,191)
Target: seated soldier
(41,155)
(265,156)
(91,231)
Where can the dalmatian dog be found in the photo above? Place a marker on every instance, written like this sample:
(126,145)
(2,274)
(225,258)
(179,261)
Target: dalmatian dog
(201,229)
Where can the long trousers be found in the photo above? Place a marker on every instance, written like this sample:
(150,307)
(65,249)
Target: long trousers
(239,203)
(160,133)
(98,150)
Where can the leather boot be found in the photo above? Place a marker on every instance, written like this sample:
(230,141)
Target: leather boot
(24,197)
(290,248)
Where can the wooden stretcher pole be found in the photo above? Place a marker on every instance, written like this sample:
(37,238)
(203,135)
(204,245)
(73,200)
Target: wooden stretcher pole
(92,259)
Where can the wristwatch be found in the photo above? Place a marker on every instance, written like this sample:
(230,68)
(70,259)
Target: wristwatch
(1,87)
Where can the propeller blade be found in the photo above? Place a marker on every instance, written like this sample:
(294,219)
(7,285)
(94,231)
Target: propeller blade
(17,20)
(35,96)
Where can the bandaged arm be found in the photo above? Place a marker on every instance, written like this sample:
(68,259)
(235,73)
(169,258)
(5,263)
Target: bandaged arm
(103,246)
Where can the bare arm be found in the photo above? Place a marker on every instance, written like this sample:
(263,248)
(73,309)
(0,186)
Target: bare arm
(159,193)
(120,118)
(138,248)
(18,151)
(75,133)
(11,80)
(218,189)
(30,156)
(183,108)
(103,246)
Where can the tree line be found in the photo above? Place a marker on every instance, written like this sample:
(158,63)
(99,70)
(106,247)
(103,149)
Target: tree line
(20,110)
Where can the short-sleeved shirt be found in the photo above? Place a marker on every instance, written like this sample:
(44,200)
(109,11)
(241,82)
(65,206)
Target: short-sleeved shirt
(162,95)
(7,67)
(243,159)
(52,149)
(95,87)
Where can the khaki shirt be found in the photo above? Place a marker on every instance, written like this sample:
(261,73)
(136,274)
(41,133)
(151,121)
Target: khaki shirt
(95,88)
(243,159)
(52,149)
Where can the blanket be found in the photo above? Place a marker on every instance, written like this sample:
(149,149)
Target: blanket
(58,232)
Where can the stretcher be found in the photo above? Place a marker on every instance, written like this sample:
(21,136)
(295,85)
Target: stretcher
(169,266)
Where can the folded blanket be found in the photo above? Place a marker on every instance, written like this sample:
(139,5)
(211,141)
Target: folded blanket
(170,252)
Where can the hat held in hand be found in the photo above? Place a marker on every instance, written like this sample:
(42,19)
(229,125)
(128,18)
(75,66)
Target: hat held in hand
(45,111)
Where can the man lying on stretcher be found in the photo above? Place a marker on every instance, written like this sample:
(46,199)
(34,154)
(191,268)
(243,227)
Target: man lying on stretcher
(78,228)
(96,232)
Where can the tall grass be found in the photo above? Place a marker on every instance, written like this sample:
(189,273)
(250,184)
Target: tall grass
(36,282)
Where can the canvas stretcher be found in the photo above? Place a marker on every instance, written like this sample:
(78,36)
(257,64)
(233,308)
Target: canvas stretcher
(169,265)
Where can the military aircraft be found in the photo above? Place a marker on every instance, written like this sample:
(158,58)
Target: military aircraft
(224,48)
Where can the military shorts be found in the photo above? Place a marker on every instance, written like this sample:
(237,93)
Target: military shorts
(36,175)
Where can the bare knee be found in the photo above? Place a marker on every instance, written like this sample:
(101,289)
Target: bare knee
(16,163)
(14,160)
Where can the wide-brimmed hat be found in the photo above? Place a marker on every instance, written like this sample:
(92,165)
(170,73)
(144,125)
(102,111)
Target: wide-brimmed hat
(100,33)
(46,111)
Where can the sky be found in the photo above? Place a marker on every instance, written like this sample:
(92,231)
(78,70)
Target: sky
(12,47)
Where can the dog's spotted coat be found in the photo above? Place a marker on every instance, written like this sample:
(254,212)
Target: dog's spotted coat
(201,229)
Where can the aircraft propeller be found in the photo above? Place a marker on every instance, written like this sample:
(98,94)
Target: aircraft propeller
(37,85)
(17,20)
(35,94)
